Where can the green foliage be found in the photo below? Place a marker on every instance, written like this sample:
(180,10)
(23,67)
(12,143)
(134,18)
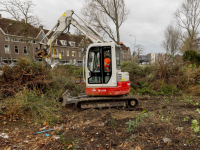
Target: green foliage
(43,88)
(112,122)
(69,145)
(63,78)
(71,70)
(198,110)
(155,79)
(135,123)
(27,64)
(131,67)
(190,101)
(192,56)
(163,118)
(143,88)
(28,103)
(167,89)
(131,138)
(195,126)
(186,118)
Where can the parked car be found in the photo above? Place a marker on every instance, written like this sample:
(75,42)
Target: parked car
(1,67)
(12,64)
(66,64)
(53,65)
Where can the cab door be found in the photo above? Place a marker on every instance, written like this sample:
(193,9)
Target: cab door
(99,73)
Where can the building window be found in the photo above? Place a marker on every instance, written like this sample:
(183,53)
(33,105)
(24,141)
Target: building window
(6,49)
(14,40)
(25,50)
(16,50)
(79,54)
(74,61)
(7,38)
(55,52)
(36,49)
(62,52)
(67,53)
(73,53)
(72,44)
(55,42)
(63,42)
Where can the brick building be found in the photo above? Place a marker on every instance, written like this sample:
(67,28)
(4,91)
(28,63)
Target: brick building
(12,41)
(14,45)
(125,53)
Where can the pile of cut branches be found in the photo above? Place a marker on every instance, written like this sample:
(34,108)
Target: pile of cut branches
(25,74)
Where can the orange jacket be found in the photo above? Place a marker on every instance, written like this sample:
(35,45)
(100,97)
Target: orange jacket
(107,64)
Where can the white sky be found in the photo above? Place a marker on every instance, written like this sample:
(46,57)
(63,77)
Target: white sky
(147,19)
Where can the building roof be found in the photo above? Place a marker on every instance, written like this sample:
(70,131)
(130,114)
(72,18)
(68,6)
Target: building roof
(17,28)
(124,47)
(67,37)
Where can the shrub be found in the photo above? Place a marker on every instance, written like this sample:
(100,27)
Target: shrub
(168,89)
(157,79)
(63,78)
(192,56)
(29,103)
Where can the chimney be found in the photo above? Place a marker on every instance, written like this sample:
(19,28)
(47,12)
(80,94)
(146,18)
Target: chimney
(69,33)
(0,16)
(22,20)
(41,27)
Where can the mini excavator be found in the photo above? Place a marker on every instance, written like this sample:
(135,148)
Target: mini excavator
(104,87)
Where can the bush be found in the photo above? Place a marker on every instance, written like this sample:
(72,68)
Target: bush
(192,56)
(157,79)
(35,90)
(29,103)
(63,78)
(167,89)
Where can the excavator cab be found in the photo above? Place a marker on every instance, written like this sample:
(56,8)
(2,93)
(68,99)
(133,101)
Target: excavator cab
(105,79)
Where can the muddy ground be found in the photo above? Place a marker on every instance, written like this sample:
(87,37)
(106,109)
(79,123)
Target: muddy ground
(165,123)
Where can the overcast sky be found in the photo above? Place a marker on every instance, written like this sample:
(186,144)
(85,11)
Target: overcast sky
(146,22)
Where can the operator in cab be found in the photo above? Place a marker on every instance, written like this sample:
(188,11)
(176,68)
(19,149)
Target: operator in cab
(107,61)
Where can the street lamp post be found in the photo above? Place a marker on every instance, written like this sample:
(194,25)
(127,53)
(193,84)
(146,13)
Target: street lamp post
(135,41)
(9,41)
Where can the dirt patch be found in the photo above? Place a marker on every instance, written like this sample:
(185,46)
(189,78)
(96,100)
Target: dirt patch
(162,127)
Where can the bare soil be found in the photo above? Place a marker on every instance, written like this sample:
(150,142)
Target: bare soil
(163,128)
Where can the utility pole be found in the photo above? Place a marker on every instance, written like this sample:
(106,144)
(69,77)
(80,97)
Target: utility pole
(135,41)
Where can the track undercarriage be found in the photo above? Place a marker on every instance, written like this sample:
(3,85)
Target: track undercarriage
(84,102)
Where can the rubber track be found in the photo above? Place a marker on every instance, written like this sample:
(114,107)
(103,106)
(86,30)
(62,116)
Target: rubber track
(107,100)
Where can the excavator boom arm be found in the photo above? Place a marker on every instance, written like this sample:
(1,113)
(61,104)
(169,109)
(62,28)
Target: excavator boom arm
(64,23)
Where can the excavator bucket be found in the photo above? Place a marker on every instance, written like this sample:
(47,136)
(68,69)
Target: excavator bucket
(41,53)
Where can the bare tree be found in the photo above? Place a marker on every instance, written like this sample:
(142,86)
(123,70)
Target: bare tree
(171,42)
(139,49)
(188,19)
(134,54)
(21,11)
(106,15)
